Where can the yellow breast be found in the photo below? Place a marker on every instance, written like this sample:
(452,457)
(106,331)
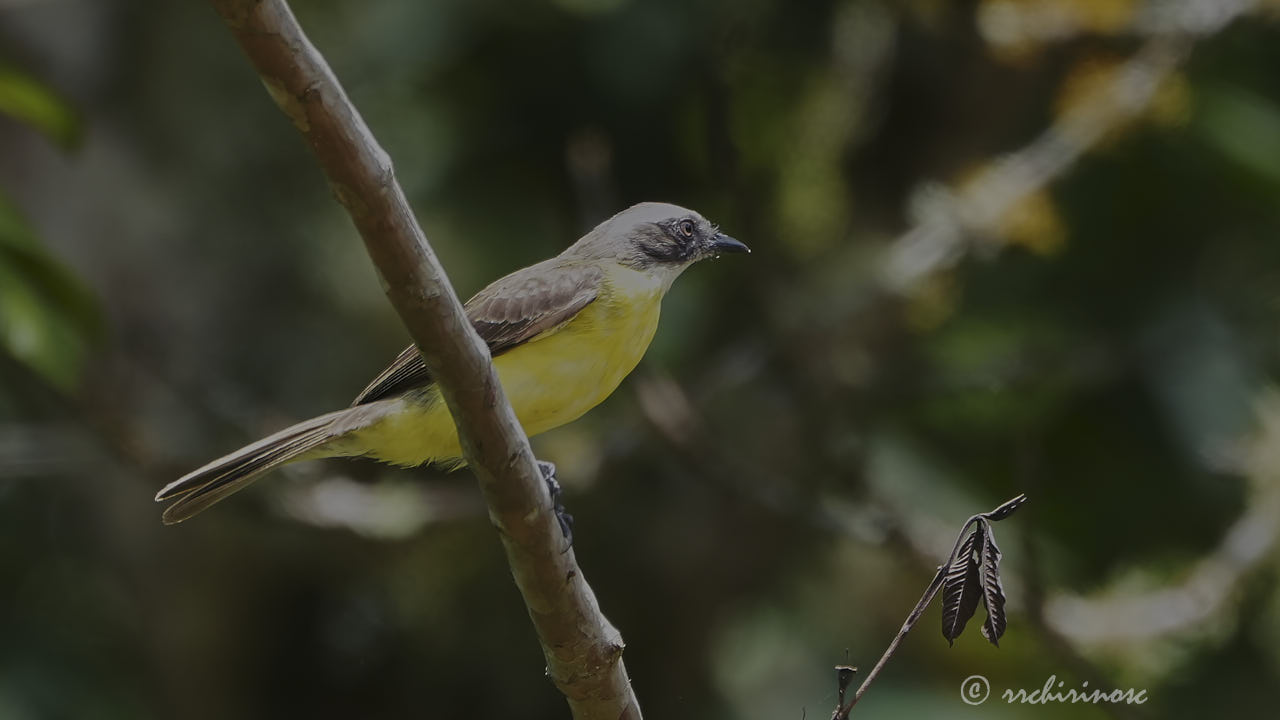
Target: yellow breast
(550,380)
(556,378)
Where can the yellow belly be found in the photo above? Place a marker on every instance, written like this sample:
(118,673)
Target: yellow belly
(550,380)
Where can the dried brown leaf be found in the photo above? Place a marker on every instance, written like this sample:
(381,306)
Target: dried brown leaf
(992,592)
(1006,509)
(962,587)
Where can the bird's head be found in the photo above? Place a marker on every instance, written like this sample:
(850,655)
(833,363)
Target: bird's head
(656,237)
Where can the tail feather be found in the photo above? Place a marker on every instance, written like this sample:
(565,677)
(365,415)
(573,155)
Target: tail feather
(199,489)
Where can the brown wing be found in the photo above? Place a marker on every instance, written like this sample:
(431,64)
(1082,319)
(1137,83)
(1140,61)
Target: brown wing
(405,372)
(512,310)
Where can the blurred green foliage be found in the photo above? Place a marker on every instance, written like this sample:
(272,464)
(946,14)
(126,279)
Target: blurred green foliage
(777,483)
(29,101)
(47,317)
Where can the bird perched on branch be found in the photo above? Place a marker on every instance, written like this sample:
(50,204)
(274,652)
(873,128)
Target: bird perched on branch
(563,334)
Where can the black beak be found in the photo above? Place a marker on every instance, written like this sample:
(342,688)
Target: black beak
(723,243)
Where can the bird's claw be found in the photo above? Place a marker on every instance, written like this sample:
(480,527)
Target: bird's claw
(548,471)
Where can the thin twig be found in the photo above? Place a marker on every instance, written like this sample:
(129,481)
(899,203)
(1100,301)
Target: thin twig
(583,651)
(1001,512)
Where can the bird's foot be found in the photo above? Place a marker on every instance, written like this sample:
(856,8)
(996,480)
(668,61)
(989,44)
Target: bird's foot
(555,491)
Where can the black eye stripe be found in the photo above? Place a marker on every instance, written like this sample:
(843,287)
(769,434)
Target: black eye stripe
(675,241)
(664,251)
(680,229)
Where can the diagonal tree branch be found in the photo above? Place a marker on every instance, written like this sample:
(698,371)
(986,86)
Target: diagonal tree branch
(583,651)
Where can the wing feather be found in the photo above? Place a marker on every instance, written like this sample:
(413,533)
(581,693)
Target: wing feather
(515,309)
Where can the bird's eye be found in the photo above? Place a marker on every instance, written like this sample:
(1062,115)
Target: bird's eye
(686,229)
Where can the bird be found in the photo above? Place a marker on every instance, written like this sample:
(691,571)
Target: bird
(563,333)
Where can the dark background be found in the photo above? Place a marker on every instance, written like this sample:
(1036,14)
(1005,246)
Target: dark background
(999,247)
